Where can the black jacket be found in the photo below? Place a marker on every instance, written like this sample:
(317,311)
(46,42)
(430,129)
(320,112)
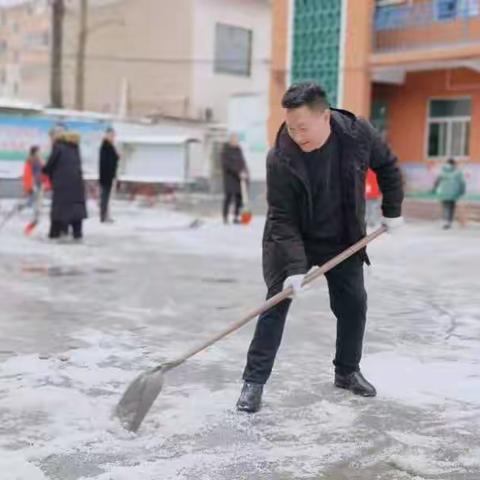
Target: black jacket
(233,163)
(108,163)
(290,204)
(64,168)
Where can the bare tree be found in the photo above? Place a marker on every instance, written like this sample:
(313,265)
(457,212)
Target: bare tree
(80,56)
(56,80)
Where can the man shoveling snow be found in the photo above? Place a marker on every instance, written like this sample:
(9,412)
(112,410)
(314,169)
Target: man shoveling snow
(316,208)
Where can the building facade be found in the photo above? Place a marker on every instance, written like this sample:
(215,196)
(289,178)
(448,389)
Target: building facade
(411,66)
(143,57)
(24,52)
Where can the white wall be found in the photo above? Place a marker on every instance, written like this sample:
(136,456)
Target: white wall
(211,89)
(247,116)
(158,31)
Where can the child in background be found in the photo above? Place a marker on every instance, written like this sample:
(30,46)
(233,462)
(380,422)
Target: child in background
(34,182)
(449,186)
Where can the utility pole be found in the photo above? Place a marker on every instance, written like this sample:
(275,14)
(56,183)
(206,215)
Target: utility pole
(56,81)
(80,56)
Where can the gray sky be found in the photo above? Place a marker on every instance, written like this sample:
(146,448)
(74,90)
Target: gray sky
(4,3)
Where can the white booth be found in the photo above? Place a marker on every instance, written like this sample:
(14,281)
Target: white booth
(157,158)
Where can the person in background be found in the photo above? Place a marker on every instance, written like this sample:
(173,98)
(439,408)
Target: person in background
(372,197)
(108,170)
(234,171)
(449,186)
(34,183)
(64,169)
(54,134)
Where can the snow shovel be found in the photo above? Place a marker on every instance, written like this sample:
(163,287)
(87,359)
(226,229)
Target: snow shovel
(246,215)
(17,208)
(142,392)
(30,227)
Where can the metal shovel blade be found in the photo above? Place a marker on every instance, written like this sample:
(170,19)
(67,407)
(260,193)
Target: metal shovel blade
(138,398)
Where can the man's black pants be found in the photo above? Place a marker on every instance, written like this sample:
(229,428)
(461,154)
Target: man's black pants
(105,191)
(348,301)
(227,201)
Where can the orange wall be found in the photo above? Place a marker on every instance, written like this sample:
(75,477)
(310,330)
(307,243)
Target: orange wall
(408,109)
(278,73)
(358,43)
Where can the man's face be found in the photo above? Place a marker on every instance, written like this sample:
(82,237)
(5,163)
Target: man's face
(308,128)
(233,140)
(110,137)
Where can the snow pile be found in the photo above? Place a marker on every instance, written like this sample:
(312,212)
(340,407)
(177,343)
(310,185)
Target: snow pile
(14,467)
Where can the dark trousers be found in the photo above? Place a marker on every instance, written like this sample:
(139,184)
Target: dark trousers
(448,211)
(57,229)
(104,199)
(348,301)
(229,198)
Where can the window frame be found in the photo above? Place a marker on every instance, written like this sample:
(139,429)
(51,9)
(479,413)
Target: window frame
(217,63)
(465,119)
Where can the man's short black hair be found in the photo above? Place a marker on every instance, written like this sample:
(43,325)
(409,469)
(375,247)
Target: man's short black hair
(309,94)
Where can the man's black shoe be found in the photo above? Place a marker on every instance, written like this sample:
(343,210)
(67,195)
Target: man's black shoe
(251,397)
(356,383)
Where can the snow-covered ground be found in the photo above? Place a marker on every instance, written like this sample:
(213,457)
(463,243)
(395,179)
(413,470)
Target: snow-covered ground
(78,322)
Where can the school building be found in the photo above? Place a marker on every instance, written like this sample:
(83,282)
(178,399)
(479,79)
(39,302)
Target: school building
(411,66)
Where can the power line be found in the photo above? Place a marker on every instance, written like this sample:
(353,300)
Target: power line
(115,58)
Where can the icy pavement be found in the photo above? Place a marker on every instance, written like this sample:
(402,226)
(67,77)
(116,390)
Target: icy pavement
(78,322)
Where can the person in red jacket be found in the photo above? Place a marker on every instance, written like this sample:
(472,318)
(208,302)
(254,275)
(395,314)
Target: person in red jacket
(34,183)
(372,197)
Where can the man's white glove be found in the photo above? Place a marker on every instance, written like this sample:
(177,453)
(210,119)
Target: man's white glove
(393,225)
(294,281)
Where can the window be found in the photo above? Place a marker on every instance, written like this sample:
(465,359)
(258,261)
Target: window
(379,114)
(36,40)
(449,128)
(446,9)
(452,9)
(233,50)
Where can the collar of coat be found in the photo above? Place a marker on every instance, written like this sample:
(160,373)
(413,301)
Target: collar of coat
(348,128)
(69,137)
(233,148)
(344,124)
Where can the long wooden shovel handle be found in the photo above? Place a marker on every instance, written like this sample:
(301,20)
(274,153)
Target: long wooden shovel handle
(244,191)
(279,297)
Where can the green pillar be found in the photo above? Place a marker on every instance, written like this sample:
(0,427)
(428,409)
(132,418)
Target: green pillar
(316,44)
